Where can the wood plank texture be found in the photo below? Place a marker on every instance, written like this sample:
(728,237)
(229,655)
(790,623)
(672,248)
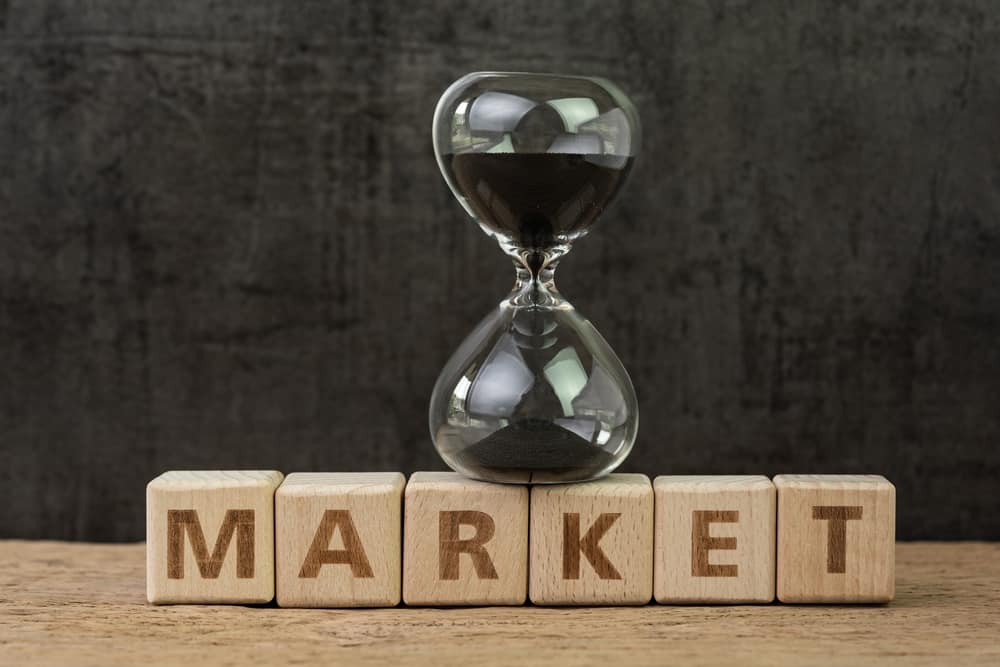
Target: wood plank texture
(84,604)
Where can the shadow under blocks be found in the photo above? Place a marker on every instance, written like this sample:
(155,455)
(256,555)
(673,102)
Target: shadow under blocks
(440,539)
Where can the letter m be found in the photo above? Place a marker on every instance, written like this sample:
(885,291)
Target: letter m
(238,522)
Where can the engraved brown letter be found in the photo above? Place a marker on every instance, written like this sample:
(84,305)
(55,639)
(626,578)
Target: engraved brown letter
(180,522)
(573,545)
(352,554)
(702,542)
(836,540)
(451,546)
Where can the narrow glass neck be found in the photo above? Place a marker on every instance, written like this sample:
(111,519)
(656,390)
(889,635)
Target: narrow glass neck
(536,288)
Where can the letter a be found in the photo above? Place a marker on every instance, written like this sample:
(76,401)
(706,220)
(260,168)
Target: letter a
(352,554)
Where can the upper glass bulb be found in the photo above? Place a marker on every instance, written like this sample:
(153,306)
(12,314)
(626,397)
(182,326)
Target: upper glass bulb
(535,158)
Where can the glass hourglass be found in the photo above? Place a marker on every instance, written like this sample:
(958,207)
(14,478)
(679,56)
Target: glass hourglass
(534,393)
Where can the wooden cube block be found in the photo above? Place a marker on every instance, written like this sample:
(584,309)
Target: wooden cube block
(465,542)
(714,539)
(836,538)
(592,543)
(210,536)
(339,539)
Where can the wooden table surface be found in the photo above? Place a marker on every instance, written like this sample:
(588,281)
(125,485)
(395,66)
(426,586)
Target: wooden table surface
(84,604)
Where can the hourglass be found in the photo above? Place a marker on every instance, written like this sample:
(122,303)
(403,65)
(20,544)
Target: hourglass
(534,393)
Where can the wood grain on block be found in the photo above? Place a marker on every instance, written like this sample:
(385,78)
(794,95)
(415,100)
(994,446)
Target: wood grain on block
(836,538)
(210,536)
(465,542)
(338,539)
(714,539)
(592,543)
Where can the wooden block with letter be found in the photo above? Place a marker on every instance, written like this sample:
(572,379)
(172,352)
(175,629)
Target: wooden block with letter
(592,543)
(210,536)
(714,539)
(836,538)
(338,539)
(465,542)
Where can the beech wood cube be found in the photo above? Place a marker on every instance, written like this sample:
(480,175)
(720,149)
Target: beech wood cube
(715,539)
(339,539)
(465,542)
(592,542)
(210,536)
(836,538)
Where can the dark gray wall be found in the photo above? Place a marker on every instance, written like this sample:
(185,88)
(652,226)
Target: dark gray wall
(224,241)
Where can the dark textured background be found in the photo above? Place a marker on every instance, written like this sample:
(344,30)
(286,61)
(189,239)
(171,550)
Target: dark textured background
(224,241)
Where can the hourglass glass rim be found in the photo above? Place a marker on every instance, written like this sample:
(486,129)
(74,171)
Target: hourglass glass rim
(500,74)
